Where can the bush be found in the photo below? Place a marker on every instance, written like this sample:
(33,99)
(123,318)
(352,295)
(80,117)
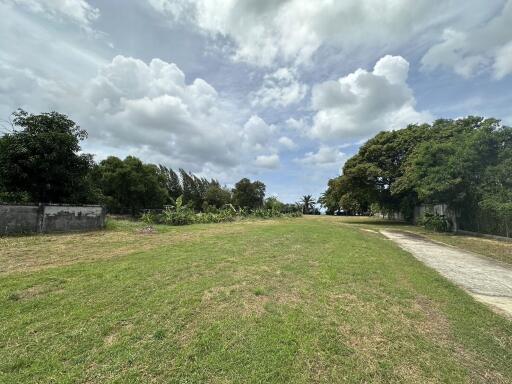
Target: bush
(435,222)
(182,215)
(149,218)
(266,213)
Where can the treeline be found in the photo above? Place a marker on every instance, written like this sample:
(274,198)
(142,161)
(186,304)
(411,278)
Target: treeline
(40,161)
(464,163)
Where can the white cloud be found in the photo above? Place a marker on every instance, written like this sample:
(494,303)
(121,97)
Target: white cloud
(257,132)
(287,143)
(18,85)
(267,161)
(279,89)
(151,105)
(363,103)
(266,32)
(79,11)
(298,125)
(176,9)
(485,47)
(325,157)
(503,61)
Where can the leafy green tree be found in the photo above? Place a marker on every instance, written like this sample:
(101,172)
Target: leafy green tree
(350,204)
(462,163)
(308,204)
(172,183)
(369,176)
(496,190)
(273,203)
(331,198)
(449,170)
(192,191)
(247,194)
(129,185)
(40,159)
(216,195)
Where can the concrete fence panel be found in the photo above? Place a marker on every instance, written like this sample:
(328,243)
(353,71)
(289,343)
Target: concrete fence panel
(438,209)
(17,219)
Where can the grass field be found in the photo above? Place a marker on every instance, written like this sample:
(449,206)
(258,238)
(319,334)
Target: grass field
(311,300)
(495,249)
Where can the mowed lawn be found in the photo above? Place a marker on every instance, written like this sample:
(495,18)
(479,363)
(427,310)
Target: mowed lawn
(495,249)
(308,300)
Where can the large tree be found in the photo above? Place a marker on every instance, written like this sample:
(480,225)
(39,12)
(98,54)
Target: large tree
(40,158)
(217,196)
(459,162)
(129,185)
(172,183)
(449,168)
(308,204)
(247,194)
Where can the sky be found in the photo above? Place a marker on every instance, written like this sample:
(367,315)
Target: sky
(283,91)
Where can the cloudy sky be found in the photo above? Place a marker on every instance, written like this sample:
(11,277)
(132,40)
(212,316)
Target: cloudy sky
(279,90)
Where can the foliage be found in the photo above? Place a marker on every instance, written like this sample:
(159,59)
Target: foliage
(40,159)
(179,214)
(464,163)
(496,190)
(350,204)
(172,183)
(182,214)
(435,222)
(217,196)
(247,194)
(450,170)
(129,185)
(273,203)
(148,218)
(222,216)
(308,204)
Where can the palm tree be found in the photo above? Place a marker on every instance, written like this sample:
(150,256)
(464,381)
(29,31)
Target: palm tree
(308,204)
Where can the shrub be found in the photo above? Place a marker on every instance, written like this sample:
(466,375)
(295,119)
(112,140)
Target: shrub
(182,215)
(435,222)
(214,217)
(149,218)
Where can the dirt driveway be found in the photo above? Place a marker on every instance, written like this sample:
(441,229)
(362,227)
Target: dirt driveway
(486,280)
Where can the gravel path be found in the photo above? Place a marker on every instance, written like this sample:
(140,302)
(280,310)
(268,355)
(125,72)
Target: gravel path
(485,279)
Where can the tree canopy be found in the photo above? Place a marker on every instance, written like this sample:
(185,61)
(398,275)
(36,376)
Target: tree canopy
(462,163)
(247,194)
(130,185)
(308,204)
(40,159)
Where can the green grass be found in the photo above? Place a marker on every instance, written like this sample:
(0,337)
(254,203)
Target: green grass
(496,249)
(295,300)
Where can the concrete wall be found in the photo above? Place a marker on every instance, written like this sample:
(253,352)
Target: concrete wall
(19,219)
(440,209)
(16,219)
(397,216)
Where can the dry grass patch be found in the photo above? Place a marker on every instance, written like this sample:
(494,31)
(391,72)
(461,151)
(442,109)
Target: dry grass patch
(31,253)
